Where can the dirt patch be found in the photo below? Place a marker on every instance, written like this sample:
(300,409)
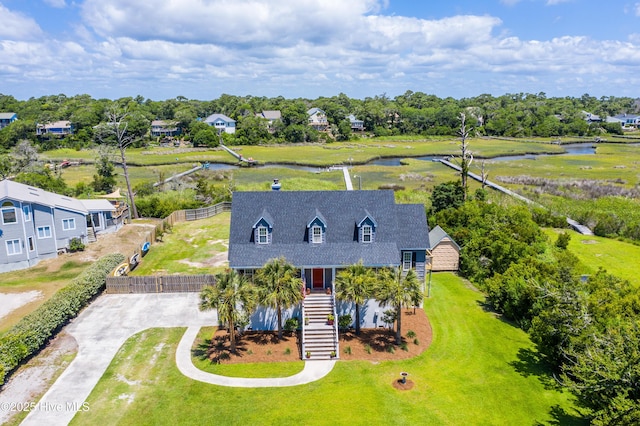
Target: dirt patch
(220,259)
(32,380)
(589,242)
(407,385)
(373,345)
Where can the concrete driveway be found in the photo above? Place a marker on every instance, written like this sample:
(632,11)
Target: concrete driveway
(100,331)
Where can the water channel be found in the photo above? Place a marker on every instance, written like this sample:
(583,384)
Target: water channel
(570,149)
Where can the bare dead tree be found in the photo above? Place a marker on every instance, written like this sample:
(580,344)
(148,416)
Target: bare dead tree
(466,156)
(116,126)
(484,175)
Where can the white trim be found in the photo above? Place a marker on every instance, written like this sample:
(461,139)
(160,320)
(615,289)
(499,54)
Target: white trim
(26,212)
(404,260)
(42,232)
(260,236)
(367,231)
(7,209)
(316,238)
(72,221)
(13,245)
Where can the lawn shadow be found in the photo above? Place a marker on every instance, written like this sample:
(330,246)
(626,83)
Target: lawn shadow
(530,363)
(562,418)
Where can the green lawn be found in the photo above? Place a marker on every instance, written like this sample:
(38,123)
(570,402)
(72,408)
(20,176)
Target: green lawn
(616,257)
(479,370)
(190,248)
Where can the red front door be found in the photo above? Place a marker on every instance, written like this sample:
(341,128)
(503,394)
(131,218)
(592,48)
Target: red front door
(318,278)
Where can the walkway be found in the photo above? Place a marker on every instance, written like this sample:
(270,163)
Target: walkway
(582,229)
(313,370)
(239,157)
(347,178)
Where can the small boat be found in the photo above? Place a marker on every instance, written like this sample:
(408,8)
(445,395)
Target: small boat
(133,262)
(145,248)
(121,270)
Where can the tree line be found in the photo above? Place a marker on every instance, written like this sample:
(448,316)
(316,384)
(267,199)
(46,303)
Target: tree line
(412,113)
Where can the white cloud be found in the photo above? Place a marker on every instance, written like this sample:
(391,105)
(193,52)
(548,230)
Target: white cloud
(16,26)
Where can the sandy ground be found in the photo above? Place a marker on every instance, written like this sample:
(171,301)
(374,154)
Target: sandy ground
(12,301)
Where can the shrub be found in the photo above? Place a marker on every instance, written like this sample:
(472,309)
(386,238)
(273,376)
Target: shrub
(291,325)
(75,244)
(344,321)
(33,331)
(367,348)
(347,350)
(563,240)
(411,334)
(404,347)
(416,342)
(391,349)
(287,351)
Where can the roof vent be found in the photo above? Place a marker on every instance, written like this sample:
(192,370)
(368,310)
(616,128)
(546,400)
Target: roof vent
(275,186)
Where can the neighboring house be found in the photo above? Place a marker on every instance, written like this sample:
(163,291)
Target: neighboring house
(221,122)
(7,118)
(445,252)
(57,128)
(161,128)
(591,118)
(322,232)
(36,224)
(356,125)
(271,117)
(318,119)
(626,120)
(101,215)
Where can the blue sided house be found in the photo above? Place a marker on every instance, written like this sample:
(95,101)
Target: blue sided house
(320,233)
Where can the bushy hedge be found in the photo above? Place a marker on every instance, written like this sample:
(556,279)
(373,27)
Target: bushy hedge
(33,331)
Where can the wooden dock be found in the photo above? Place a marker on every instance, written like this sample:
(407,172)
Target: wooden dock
(239,157)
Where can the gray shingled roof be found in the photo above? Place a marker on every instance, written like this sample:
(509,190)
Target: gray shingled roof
(401,226)
(437,234)
(31,194)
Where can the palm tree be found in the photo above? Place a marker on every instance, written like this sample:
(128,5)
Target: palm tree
(397,290)
(355,283)
(279,287)
(233,296)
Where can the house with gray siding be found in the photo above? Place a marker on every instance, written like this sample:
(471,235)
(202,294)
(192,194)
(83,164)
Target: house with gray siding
(322,232)
(36,224)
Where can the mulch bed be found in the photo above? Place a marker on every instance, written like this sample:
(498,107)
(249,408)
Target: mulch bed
(372,345)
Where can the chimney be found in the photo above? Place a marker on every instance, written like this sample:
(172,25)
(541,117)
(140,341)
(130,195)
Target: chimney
(275,186)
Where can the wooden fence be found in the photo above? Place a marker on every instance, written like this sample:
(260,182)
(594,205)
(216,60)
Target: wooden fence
(171,283)
(158,284)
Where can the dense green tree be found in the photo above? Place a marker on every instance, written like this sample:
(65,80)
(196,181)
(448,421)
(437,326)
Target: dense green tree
(355,284)
(447,195)
(279,287)
(234,298)
(398,289)
(105,178)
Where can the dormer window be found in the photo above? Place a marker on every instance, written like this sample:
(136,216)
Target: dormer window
(366,228)
(263,229)
(367,234)
(316,234)
(263,235)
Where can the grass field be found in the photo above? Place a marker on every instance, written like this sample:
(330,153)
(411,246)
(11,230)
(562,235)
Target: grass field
(479,370)
(616,257)
(195,247)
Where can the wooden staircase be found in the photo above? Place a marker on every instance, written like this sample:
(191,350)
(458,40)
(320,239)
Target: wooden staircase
(319,338)
(91,235)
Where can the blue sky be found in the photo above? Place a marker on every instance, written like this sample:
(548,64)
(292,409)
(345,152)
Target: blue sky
(200,49)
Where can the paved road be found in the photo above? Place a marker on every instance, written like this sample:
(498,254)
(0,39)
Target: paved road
(100,331)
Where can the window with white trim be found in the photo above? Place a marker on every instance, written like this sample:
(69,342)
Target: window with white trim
(68,224)
(406,260)
(31,244)
(44,232)
(26,212)
(263,235)
(316,234)
(366,234)
(9,214)
(13,247)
